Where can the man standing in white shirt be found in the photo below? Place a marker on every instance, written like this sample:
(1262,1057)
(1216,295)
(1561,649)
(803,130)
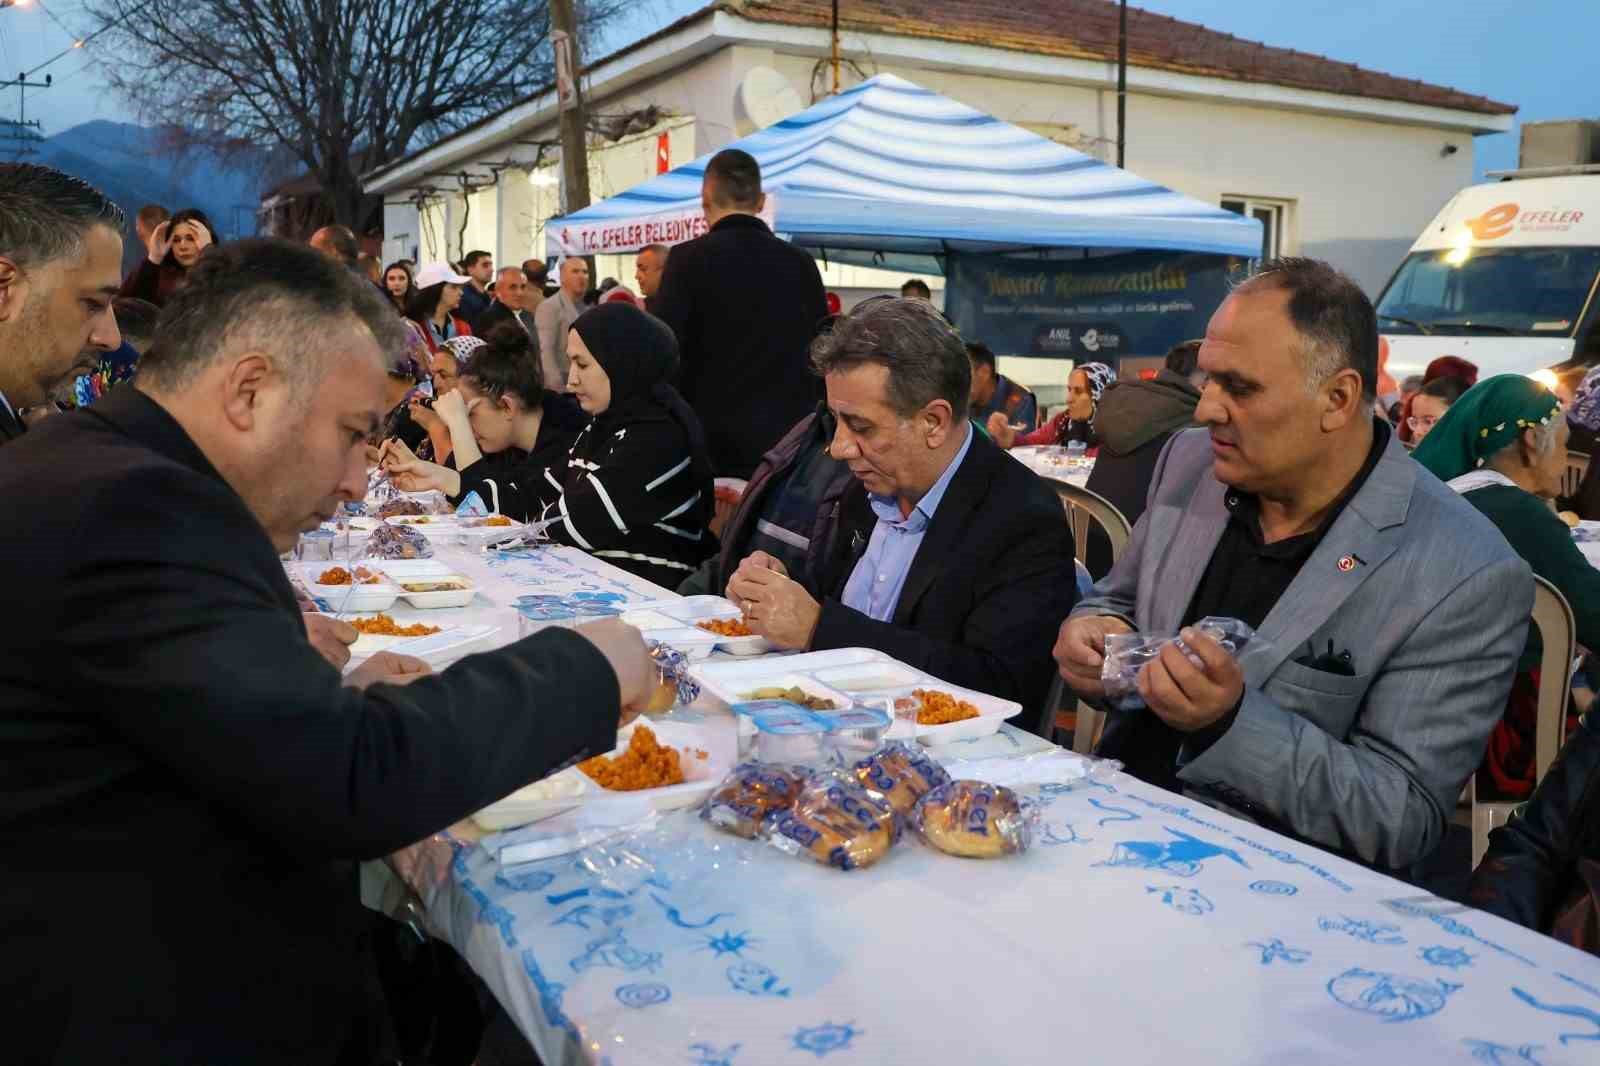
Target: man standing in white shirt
(555,317)
(60,269)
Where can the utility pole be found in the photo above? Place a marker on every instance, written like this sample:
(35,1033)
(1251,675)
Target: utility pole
(836,47)
(22,132)
(1122,83)
(569,89)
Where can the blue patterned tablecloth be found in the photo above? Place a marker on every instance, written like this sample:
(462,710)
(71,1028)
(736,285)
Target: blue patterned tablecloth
(1142,928)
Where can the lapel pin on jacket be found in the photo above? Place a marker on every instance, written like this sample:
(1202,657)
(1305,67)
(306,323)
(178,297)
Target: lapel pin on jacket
(1348,563)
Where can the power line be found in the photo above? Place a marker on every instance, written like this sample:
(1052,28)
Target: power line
(57,21)
(80,43)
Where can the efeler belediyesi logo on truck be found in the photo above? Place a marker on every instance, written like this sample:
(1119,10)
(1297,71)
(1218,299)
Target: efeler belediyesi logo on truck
(1502,219)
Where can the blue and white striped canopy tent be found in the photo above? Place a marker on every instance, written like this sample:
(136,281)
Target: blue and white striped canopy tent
(894,173)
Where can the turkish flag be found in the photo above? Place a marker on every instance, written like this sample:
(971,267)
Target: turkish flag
(663,153)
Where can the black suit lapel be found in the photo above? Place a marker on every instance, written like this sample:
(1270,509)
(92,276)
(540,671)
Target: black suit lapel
(949,525)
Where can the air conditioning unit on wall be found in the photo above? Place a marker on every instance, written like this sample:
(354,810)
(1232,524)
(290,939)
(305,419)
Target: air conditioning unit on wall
(1561,143)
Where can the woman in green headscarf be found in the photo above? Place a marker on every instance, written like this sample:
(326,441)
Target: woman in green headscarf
(1503,446)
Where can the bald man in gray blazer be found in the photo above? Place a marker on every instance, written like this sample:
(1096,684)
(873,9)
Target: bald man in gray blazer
(1390,614)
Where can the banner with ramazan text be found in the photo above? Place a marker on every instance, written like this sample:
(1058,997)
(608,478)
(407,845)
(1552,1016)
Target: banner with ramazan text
(1140,304)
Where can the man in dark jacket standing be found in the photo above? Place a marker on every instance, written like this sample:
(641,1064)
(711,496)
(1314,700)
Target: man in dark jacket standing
(745,306)
(185,784)
(60,264)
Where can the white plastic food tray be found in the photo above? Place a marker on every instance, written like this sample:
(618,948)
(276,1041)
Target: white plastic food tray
(572,787)
(865,676)
(674,621)
(402,570)
(438,649)
(346,598)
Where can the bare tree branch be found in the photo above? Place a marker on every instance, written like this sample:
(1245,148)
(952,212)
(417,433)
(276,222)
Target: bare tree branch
(338,87)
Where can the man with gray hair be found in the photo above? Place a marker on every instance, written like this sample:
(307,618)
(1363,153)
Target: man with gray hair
(60,269)
(170,741)
(647,268)
(554,318)
(1389,614)
(510,289)
(950,556)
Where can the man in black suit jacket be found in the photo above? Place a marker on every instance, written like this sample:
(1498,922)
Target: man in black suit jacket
(951,557)
(60,257)
(185,784)
(745,306)
(510,291)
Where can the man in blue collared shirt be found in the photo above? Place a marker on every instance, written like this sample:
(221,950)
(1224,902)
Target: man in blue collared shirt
(875,583)
(948,555)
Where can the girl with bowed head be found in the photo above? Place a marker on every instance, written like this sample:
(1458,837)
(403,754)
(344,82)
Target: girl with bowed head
(1503,447)
(174,247)
(1085,385)
(502,428)
(635,486)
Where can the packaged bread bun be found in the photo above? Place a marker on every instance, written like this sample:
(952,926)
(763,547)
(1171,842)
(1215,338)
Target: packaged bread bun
(974,820)
(750,792)
(901,774)
(835,822)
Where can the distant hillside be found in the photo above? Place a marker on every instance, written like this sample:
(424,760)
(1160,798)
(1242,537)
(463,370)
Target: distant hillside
(130,164)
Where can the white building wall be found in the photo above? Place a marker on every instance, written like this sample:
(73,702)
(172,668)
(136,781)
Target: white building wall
(1357,191)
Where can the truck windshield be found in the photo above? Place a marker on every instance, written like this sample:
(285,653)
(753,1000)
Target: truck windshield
(1525,292)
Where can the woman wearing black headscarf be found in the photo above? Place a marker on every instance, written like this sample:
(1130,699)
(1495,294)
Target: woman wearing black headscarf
(636,488)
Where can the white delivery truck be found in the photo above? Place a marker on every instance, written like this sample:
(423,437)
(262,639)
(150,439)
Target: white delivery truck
(1504,276)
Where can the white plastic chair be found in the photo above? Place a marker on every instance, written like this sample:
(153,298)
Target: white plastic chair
(1552,617)
(1082,508)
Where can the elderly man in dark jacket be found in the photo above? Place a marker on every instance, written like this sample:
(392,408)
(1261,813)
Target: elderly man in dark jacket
(745,306)
(948,555)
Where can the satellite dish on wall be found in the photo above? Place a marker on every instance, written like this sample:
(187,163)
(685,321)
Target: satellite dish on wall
(764,97)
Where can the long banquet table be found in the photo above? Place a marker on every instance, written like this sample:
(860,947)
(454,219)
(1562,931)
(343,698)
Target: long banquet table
(1141,928)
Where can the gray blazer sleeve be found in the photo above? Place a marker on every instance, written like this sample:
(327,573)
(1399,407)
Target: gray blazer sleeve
(1386,793)
(547,329)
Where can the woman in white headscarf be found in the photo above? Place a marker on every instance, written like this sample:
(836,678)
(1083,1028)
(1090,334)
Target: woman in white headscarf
(1085,385)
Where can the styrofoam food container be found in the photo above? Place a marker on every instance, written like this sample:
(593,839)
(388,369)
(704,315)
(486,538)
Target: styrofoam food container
(991,712)
(728,680)
(348,598)
(700,776)
(782,678)
(480,535)
(446,524)
(659,621)
(442,597)
(437,650)
(535,802)
(867,678)
(648,620)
